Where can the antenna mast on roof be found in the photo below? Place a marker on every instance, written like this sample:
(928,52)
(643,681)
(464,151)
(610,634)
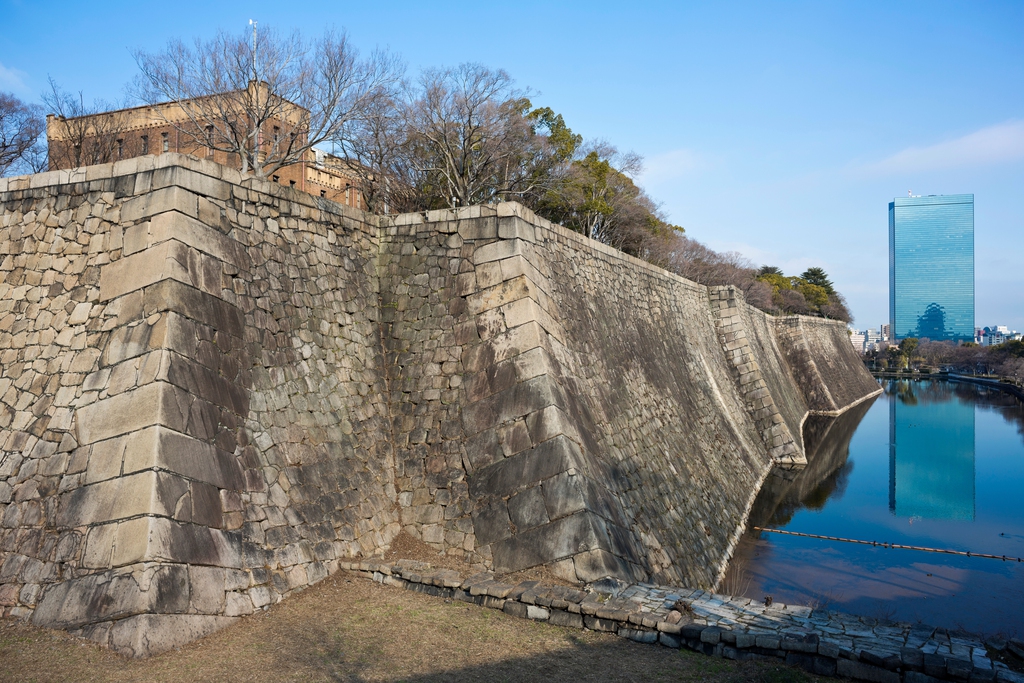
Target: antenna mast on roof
(253,23)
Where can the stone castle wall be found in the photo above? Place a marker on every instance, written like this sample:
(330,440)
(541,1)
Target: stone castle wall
(213,389)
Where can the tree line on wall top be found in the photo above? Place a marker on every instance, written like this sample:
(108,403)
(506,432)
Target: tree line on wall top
(446,137)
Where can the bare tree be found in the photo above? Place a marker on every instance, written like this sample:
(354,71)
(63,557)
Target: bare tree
(84,135)
(268,100)
(377,144)
(470,137)
(20,128)
(759,295)
(457,136)
(695,261)
(466,135)
(836,308)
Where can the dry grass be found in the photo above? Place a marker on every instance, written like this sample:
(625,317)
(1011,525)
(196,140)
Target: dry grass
(349,629)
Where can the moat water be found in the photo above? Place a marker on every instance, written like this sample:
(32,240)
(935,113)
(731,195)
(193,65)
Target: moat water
(928,463)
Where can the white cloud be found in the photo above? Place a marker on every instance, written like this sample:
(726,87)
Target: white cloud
(12,79)
(670,165)
(1000,143)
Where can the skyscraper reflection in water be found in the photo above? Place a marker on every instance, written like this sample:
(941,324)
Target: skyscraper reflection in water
(931,453)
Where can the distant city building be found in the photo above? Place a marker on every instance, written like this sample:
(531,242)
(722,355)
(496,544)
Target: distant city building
(931,267)
(996,334)
(857,339)
(869,340)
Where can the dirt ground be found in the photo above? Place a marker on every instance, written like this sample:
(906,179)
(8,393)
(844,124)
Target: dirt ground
(347,628)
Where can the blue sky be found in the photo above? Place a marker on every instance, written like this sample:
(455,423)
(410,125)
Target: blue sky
(779,130)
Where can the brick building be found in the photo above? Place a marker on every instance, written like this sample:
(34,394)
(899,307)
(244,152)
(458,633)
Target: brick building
(155,129)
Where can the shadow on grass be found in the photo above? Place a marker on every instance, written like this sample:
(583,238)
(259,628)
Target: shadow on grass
(334,658)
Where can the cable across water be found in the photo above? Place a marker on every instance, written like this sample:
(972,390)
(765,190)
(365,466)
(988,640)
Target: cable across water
(899,546)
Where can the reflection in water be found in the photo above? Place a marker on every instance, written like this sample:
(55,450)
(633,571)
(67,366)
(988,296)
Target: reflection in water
(787,490)
(931,463)
(1003,404)
(931,453)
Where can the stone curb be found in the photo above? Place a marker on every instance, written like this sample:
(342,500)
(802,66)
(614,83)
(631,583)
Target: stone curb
(823,643)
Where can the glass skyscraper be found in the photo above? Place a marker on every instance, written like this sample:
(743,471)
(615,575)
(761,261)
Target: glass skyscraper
(931,267)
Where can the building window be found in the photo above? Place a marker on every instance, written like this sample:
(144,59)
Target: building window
(292,183)
(209,141)
(165,143)
(145,144)
(277,179)
(323,193)
(120,148)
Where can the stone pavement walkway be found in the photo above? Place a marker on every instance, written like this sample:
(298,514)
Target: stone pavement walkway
(823,642)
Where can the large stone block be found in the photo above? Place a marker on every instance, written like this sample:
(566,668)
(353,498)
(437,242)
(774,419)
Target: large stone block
(172,295)
(157,403)
(105,460)
(526,509)
(563,495)
(500,294)
(478,228)
(562,538)
(203,382)
(491,523)
(514,227)
(519,401)
(170,260)
(195,181)
(598,563)
(530,467)
(143,493)
(526,310)
(158,201)
(150,634)
(113,595)
(518,265)
(505,345)
(599,498)
(157,447)
(550,422)
(495,251)
(490,380)
(189,231)
(483,449)
(170,330)
(158,539)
